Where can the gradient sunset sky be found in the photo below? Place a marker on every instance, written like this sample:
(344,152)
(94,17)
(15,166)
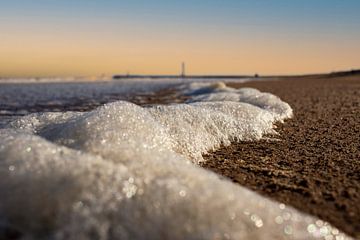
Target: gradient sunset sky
(93,37)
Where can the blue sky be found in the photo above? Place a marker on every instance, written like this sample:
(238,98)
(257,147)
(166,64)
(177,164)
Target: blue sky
(217,23)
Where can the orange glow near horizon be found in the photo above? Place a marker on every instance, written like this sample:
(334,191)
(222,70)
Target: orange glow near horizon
(74,57)
(41,51)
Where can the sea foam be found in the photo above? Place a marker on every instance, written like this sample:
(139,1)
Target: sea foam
(124,171)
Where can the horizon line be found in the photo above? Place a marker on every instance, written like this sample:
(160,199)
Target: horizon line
(114,76)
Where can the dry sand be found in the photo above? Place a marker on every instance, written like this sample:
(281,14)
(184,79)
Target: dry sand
(314,164)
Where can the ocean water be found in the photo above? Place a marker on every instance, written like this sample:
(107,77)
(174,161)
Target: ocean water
(124,171)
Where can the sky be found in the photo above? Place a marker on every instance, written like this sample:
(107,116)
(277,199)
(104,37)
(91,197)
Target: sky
(94,37)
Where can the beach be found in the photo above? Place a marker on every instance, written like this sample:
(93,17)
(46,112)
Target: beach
(120,160)
(196,120)
(313,164)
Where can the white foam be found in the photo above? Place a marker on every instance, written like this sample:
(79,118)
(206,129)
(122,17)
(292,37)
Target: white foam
(220,92)
(123,172)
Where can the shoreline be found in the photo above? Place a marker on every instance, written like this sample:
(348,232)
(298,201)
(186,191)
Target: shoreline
(313,165)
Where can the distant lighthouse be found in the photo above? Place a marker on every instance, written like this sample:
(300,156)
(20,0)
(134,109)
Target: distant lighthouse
(182,69)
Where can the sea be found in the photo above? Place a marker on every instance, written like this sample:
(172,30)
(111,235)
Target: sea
(86,160)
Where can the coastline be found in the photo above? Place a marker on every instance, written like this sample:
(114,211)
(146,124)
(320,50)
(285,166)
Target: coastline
(313,164)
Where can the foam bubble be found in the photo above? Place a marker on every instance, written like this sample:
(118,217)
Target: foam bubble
(123,172)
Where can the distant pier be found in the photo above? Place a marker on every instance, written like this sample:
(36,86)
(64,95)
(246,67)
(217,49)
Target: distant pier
(182,75)
(127,76)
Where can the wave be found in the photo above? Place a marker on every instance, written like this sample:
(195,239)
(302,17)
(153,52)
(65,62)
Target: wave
(124,171)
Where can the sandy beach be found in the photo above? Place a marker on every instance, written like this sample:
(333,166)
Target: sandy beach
(196,120)
(313,164)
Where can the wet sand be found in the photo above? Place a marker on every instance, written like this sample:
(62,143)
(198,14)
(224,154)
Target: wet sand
(313,164)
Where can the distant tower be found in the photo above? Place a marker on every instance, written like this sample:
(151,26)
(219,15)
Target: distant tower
(183,69)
